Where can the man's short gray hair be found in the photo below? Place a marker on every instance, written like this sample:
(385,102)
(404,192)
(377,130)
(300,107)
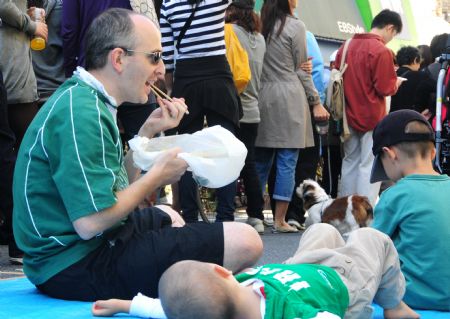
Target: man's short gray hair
(111,29)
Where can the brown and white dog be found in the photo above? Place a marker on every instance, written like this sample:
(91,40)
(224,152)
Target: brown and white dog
(345,213)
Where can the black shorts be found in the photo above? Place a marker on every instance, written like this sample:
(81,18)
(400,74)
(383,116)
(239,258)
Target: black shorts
(133,259)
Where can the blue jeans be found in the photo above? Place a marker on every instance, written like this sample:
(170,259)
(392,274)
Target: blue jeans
(285,171)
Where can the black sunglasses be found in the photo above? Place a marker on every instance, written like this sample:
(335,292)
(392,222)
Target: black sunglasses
(153,57)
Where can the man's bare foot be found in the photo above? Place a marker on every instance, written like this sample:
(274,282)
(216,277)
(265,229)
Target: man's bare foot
(402,311)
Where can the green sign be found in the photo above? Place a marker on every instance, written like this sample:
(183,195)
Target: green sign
(313,18)
(370,8)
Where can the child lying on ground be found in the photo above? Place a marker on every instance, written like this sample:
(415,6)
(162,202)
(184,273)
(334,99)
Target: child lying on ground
(326,278)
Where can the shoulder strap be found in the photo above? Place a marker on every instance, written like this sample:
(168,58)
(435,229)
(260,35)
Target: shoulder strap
(344,55)
(186,26)
(433,70)
(404,73)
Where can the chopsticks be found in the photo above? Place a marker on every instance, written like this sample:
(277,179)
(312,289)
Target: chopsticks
(161,94)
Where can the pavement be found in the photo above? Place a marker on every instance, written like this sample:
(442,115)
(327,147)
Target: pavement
(277,247)
(8,271)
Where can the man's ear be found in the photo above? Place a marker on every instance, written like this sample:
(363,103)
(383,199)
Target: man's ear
(390,152)
(222,272)
(390,28)
(432,153)
(116,57)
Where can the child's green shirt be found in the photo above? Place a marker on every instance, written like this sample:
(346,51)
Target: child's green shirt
(299,291)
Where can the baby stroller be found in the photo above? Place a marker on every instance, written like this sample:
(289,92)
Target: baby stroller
(441,124)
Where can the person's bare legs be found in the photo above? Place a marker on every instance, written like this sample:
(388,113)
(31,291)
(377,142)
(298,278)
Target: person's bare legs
(402,311)
(280,215)
(242,246)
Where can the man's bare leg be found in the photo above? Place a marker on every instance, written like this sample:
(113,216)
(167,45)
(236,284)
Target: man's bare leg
(243,246)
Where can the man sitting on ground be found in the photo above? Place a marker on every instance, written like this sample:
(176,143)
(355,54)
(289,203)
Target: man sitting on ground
(73,204)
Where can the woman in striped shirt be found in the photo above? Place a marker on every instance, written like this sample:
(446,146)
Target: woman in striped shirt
(197,70)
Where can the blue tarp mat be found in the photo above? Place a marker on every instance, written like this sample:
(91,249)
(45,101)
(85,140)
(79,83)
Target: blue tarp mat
(20,299)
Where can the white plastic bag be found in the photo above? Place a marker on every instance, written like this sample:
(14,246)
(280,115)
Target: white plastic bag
(214,155)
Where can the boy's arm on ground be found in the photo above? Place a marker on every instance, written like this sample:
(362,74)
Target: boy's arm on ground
(107,308)
(141,306)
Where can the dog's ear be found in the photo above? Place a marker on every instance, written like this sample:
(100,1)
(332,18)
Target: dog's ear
(362,210)
(299,191)
(366,204)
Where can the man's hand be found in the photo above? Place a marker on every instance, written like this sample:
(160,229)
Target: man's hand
(168,167)
(31,13)
(400,81)
(428,115)
(108,308)
(320,113)
(307,66)
(41,27)
(167,116)
(41,30)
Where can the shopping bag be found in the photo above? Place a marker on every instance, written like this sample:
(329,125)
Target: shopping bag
(214,155)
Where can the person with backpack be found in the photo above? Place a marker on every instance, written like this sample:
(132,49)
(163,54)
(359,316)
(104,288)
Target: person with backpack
(369,78)
(246,25)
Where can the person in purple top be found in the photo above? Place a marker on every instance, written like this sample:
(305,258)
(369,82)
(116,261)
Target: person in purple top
(77,16)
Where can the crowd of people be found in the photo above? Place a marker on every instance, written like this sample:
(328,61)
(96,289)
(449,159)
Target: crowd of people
(70,194)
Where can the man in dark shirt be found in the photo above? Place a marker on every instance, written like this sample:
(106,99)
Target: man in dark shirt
(415,93)
(76,18)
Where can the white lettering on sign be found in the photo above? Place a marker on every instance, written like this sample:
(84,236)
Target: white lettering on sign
(347,27)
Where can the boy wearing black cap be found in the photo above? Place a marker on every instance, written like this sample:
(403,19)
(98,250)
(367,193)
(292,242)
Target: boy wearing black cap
(414,212)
